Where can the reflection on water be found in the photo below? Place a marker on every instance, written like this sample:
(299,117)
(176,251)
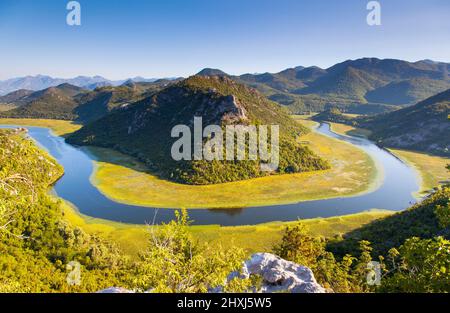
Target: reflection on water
(230,211)
(395,192)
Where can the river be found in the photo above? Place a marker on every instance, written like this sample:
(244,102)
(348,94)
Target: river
(394,193)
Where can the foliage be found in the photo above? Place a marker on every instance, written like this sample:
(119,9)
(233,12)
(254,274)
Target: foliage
(36,244)
(175,262)
(419,265)
(420,220)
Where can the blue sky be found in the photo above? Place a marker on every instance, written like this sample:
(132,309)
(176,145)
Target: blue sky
(165,38)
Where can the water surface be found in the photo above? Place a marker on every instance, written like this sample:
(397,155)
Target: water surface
(394,192)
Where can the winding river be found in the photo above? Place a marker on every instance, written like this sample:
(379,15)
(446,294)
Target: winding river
(394,193)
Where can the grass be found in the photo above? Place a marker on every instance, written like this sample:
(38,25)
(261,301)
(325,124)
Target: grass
(124,179)
(132,239)
(431,168)
(349,130)
(262,237)
(59,127)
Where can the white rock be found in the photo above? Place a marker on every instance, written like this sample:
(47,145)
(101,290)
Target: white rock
(279,275)
(115,290)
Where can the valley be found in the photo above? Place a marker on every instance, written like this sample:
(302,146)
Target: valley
(337,178)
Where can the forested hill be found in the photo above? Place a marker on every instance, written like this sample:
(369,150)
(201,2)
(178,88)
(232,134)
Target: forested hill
(422,127)
(69,102)
(36,243)
(144,130)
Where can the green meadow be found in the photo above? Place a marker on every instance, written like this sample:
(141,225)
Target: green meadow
(430,168)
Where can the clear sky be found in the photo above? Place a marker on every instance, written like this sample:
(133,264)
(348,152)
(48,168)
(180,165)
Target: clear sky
(166,38)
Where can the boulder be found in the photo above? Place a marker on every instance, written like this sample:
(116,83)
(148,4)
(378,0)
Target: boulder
(279,275)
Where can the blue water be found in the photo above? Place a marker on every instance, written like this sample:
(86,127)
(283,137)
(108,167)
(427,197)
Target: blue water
(394,193)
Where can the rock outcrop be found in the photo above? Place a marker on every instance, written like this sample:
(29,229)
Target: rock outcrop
(279,275)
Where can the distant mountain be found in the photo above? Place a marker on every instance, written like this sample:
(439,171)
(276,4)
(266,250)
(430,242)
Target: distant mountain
(367,85)
(364,86)
(424,126)
(97,85)
(54,102)
(70,102)
(101,101)
(143,129)
(211,72)
(16,97)
(406,91)
(41,82)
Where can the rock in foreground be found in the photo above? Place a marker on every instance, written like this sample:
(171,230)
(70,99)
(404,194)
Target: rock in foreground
(279,275)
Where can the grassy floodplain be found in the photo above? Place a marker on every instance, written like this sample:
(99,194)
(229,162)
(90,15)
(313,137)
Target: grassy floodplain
(132,239)
(59,127)
(431,168)
(124,179)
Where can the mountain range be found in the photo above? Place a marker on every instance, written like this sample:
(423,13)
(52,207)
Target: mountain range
(39,82)
(424,126)
(363,86)
(69,102)
(367,85)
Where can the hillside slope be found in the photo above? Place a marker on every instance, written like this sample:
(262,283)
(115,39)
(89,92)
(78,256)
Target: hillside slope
(367,85)
(424,126)
(69,102)
(54,102)
(421,220)
(144,130)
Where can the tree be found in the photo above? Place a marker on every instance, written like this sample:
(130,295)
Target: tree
(175,262)
(420,265)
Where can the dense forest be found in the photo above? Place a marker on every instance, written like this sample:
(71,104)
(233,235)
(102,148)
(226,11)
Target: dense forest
(38,246)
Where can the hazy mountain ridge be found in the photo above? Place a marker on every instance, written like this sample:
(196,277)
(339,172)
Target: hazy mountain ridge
(366,85)
(70,102)
(40,82)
